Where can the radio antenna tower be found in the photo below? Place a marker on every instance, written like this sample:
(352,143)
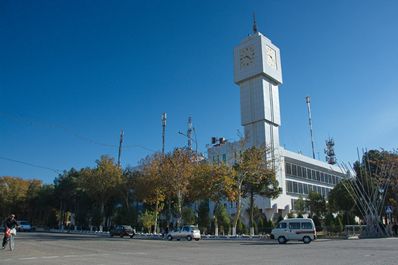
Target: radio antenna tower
(329,151)
(189,133)
(308,101)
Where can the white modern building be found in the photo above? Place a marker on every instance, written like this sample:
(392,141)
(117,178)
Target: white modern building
(258,73)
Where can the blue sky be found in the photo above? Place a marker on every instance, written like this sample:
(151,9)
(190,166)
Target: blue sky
(74,73)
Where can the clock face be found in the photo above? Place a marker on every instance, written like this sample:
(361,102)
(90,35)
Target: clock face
(271,57)
(246,56)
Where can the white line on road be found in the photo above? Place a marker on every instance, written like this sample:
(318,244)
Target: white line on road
(50,257)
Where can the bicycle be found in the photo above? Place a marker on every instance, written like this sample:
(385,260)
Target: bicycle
(10,234)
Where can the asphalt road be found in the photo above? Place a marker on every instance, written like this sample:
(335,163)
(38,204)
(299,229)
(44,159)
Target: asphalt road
(47,248)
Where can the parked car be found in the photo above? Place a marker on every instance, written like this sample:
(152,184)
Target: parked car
(188,232)
(24,226)
(301,229)
(122,230)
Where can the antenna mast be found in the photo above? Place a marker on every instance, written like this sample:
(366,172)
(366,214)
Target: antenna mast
(164,119)
(308,101)
(254,23)
(329,151)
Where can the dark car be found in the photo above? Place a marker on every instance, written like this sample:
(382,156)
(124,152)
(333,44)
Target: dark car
(122,230)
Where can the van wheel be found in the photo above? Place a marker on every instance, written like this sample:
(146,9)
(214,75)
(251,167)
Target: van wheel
(282,240)
(196,239)
(306,240)
(169,238)
(189,238)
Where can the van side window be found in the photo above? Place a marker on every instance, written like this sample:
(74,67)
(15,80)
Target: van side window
(282,225)
(294,226)
(306,225)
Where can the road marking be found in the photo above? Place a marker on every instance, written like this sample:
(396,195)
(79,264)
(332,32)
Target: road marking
(28,258)
(50,257)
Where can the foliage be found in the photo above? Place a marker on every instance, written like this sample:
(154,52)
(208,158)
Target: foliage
(203,216)
(222,217)
(101,183)
(148,220)
(300,206)
(178,166)
(255,175)
(188,216)
(316,203)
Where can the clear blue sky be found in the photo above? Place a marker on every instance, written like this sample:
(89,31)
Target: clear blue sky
(73,73)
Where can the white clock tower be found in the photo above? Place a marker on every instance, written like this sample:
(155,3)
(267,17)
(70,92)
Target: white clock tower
(258,72)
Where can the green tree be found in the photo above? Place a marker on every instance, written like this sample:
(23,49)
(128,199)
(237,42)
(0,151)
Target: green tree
(148,219)
(214,182)
(222,217)
(188,216)
(101,183)
(300,206)
(255,175)
(203,216)
(178,166)
(150,184)
(316,204)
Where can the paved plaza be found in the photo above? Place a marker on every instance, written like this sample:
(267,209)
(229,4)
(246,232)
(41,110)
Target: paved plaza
(47,248)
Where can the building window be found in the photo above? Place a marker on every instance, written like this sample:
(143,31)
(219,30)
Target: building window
(289,186)
(224,158)
(322,177)
(313,174)
(295,189)
(294,170)
(299,171)
(333,179)
(318,177)
(305,186)
(288,168)
(304,172)
(300,188)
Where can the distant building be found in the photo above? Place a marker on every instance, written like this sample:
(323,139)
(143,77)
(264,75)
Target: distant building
(258,73)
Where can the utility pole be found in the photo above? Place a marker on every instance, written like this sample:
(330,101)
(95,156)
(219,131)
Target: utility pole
(189,133)
(164,119)
(308,101)
(120,148)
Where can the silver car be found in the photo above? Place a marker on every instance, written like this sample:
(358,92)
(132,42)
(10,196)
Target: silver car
(187,231)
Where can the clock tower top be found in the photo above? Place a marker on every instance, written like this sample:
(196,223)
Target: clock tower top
(257,55)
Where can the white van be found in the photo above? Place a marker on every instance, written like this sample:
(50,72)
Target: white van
(301,229)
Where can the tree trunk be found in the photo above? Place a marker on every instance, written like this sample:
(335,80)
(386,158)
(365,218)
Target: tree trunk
(251,221)
(215,220)
(179,208)
(238,206)
(102,210)
(156,217)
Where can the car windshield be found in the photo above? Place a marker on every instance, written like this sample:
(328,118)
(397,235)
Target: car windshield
(127,227)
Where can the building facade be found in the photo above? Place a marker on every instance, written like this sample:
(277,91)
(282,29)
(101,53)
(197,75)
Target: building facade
(258,73)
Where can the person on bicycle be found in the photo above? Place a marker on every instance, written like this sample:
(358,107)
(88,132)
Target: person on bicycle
(9,223)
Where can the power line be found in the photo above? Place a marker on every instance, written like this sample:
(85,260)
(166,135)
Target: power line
(31,122)
(31,165)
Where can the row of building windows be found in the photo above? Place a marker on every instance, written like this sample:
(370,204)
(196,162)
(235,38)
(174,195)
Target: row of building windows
(307,173)
(304,188)
(216,159)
